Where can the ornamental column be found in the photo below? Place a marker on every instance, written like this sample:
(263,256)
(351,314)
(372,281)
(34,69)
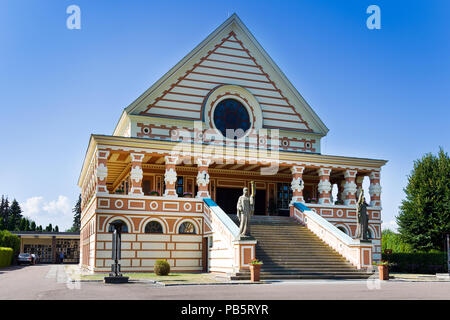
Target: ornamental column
(350,187)
(102,171)
(203,178)
(375,189)
(297,184)
(136,174)
(359,183)
(170,177)
(324,186)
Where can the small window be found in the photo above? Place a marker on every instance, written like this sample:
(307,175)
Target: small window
(186,228)
(124,226)
(342,229)
(153,227)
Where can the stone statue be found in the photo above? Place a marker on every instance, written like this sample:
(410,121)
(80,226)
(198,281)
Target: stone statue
(363,218)
(245,208)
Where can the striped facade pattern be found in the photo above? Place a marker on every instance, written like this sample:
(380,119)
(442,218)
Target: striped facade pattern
(228,63)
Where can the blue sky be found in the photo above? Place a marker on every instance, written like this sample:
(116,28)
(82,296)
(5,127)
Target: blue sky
(383,94)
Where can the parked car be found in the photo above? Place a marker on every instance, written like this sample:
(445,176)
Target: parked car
(24,258)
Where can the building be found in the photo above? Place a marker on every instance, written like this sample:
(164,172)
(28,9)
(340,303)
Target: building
(172,172)
(48,245)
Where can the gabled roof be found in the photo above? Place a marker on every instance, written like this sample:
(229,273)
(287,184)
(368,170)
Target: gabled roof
(229,55)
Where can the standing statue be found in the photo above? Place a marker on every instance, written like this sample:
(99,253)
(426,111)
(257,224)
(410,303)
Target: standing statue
(363,218)
(245,208)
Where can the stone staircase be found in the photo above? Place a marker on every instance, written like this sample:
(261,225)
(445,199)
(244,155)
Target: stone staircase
(289,250)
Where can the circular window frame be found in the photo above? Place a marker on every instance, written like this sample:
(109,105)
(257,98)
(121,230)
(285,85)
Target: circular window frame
(243,96)
(247,108)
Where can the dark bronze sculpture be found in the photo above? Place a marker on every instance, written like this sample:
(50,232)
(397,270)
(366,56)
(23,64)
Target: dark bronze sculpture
(363,218)
(115,276)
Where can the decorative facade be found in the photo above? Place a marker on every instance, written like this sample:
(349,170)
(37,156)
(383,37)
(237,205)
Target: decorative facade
(180,155)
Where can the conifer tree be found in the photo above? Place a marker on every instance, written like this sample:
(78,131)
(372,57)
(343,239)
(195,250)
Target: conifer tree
(33,226)
(424,217)
(76,216)
(15,216)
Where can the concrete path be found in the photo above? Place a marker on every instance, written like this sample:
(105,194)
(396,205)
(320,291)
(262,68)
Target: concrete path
(50,282)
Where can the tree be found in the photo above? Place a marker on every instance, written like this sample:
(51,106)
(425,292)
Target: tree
(15,216)
(49,228)
(33,226)
(76,216)
(39,228)
(424,215)
(4,211)
(56,229)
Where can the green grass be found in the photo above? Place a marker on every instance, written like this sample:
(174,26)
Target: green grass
(171,278)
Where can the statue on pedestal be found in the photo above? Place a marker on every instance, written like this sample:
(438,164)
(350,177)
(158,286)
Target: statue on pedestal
(245,209)
(363,218)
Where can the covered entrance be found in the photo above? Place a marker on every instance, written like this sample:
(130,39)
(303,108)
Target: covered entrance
(227,198)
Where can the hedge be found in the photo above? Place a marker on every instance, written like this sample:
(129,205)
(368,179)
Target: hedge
(427,263)
(9,240)
(6,255)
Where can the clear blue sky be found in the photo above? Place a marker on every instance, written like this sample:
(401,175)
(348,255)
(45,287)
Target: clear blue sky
(382,93)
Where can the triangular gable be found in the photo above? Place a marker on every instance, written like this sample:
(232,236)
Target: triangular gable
(230,55)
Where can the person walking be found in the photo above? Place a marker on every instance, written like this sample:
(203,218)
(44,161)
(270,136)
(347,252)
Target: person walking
(61,257)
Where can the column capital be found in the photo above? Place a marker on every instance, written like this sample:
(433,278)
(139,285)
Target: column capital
(324,171)
(350,173)
(374,175)
(203,162)
(171,159)
(102,154)
(297,169)
(137,157)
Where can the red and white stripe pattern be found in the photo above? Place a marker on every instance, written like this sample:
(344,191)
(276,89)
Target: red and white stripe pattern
(228,63)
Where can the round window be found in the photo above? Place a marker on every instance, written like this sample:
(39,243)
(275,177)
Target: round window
(232,115)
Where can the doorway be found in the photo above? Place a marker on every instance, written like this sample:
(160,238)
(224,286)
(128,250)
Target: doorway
(260,202)
(227,199)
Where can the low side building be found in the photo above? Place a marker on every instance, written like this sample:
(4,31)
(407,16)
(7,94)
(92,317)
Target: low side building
(48,245)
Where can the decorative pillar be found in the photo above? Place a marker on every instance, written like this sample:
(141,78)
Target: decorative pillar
(350,187)
(136,174)
(297,184)
(375,189)
(324,186)
(359,183)
(170,177)
(203,178)
(102,171)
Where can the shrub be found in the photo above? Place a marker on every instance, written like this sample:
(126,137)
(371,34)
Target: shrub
(393,241)
(420,262)
(162,267)
(9,240)
(6,255)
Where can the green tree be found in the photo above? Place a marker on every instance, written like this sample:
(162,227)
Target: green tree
(49,228)
(33,226)
(4,211)
(15,216)
(56,229)
(39,228)
(76,216)
(424,215)
(393,241)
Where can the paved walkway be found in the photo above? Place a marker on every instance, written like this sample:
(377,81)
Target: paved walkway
(50,282)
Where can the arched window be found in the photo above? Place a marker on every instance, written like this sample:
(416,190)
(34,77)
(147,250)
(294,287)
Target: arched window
(231,114)
(153,227)
(124,226)
(186,228)
(342,229)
